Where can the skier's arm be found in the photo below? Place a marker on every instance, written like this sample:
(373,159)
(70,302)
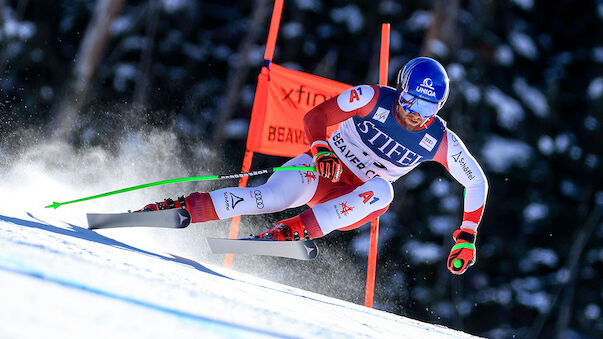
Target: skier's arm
(455,157)
(359,100)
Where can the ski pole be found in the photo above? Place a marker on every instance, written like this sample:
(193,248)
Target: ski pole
(56,205)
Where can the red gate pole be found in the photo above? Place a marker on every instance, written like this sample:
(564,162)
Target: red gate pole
(275,21)
(372,258)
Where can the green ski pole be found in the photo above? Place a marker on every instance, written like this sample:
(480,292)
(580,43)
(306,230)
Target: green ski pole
(56,205)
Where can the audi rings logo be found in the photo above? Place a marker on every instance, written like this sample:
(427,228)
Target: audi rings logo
(259,200)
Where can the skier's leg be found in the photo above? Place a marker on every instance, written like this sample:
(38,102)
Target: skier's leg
(345,212)
(284,189)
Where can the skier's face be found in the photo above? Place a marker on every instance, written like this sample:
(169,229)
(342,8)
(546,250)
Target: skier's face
(410,121)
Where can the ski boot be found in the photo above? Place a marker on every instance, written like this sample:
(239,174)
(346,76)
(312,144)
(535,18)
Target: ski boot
(286,230)
(164,205)
(198,204)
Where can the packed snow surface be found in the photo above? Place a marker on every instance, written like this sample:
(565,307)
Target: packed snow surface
(59,279)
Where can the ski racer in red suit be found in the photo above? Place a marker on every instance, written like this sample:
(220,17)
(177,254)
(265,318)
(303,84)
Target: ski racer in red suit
(384,134)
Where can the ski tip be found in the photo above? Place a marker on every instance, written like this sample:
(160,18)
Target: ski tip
(184,218)
(301,250)
(311,248)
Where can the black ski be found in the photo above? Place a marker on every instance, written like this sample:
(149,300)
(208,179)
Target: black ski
(172,218)
(302,249)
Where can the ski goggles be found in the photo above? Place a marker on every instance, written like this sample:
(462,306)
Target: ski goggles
(412,104)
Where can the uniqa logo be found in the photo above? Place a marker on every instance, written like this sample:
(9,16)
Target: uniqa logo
(427,87)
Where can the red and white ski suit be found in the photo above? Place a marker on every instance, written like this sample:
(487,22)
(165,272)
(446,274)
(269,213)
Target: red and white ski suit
(375,150)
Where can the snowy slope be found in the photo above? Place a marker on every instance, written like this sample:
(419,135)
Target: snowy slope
(59,279)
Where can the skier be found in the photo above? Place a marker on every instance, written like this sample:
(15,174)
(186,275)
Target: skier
(384,134)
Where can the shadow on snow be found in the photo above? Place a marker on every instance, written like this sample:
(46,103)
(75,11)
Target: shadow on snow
(86,234)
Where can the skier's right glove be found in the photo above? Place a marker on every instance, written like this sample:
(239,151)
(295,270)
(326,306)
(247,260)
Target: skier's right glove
(462,254)
(327,163)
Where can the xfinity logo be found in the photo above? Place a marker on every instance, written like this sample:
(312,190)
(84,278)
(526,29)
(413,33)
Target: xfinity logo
(427,87)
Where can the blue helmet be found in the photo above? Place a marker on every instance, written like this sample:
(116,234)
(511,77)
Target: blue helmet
(426,79)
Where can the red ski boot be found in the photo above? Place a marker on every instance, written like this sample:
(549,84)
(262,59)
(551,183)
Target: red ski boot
(199,205)
(164,205)
(286,230)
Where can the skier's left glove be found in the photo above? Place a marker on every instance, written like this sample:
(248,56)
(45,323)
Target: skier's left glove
(463,252)
(327,163)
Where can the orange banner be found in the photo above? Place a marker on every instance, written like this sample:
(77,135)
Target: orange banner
(282,98)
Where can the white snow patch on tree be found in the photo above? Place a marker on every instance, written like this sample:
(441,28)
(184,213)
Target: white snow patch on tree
(419,20)
(538,300)
(592,312)
(313,5)
(456,72)
(120,25)
(535,211)
(524,45)
(526,5)
(293,30)
(172,6)
(441,225)
(591,123)
(362,242)
(501,295)
(595,88)
(546,145)
(22,30)
(527,295)
(472,93)
(438,47)
(531,97)
(414,179)
(501,154)
(440,188)
(539,257)
(575,153)
(569,188)
(509,111)
(504,55)
(351,15)
(450,203)
(237,129)
(389,7)
(562,142)
(395,41)
(124,73)
(598,54)
(423,252)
